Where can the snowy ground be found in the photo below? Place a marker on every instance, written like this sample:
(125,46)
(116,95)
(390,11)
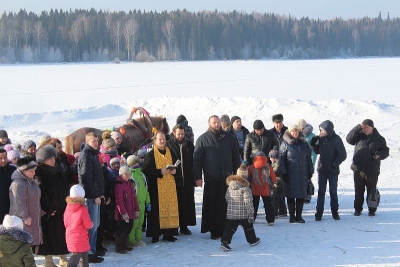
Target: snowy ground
(57,99)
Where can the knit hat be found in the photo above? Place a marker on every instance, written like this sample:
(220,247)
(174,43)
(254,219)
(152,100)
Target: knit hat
(260,153)
(115,135)
(277,118)
(368,122)
(242,171)
(293,127)
(77,191)
(11,221)
(45,152)
(302,123)
(109,142)
(12,154)
(180,119)
(26,163)
(274,153)
(225,119)
(115,160)
(43,138)
(142,153)
(235,118)
(124,169)
(258,125)
(132,160)
(27,144)
(3,133)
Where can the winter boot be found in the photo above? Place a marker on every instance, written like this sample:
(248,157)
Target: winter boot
(63,260)
(119,245)
(127,247)
(225,246)
(318,216)
(335,215)
(291,207)
(49,261)
(299,210)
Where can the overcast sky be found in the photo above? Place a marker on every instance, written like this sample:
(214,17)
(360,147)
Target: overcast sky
(323,9)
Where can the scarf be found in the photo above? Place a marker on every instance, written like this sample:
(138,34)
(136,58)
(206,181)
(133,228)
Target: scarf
(261,172)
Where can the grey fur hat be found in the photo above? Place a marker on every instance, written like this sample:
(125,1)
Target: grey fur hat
(45,152)
(27,144)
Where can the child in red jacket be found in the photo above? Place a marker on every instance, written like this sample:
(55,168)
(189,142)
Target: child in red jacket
(77,223)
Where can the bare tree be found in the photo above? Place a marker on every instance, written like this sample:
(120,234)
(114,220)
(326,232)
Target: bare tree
(162,52)
(116,34)
(130,32)
(168,30)
(356,37)
(26,31)
(39,33)
(75,33)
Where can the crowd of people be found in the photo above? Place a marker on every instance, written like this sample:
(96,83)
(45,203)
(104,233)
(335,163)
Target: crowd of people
(57,204)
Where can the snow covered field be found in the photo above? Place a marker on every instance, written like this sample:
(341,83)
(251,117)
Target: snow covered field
(57,99)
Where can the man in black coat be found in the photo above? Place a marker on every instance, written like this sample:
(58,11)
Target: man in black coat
(5,181)
(370,149)
(90,174)
(260,139)
(279,129)
(183,149)
(239,131)
(217,155)
(332,153)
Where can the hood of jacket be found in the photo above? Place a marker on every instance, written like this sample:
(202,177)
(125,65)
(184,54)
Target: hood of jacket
(236,182)
(19,175)
(328,127)
(74,203)
(7,236)
(307,130)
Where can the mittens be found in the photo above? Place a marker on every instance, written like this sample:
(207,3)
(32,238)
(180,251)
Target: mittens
(125,217)
(148,207)
(250,219)
(314,141)
(136,215)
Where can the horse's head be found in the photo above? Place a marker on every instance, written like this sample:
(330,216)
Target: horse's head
(161,124)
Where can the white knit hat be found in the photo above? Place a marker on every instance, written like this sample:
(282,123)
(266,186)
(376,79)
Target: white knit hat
(124,169)
(293,127)
(302,123)
(12,222)
(115,135)
(114,160)
(132,160)
(77,191)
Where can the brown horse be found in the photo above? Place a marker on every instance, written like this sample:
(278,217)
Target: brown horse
(135,133)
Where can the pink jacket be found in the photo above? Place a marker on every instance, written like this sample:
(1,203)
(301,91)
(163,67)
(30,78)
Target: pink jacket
(105,158)
(77,222)
(125,199)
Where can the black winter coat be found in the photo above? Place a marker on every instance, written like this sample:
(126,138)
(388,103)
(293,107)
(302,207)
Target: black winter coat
(279,137)
(365,149)
(62,164)
(330,149)
(215,155)
(255,143)
(183,152)
(5,182)
(90,172)
(295,161)
(245,133)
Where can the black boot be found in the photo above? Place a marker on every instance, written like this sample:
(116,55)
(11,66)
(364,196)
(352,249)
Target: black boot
(125,243)
(291,207)
(119,245)
(299,210)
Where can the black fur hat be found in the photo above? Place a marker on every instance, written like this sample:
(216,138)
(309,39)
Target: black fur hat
(180,119)
(26,163)
(277,117)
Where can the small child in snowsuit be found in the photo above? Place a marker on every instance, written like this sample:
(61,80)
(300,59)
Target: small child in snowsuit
(15,249)
(240,210)
(277,198)
(143,199)
(126,209)
(77,223)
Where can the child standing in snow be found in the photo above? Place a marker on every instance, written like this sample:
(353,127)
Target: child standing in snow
(143,199)
(240,210)
(77,223)
(15,249)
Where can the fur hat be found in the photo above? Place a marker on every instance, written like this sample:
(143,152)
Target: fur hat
(242,171)
(45,152)
(235,118)
(109,142)
(12,154)
(142,153)
(368,122)
(293,127)
(115,135)
(43,138)
(225,119)
(26,163)
(124,169)
(115,160)
(77,191)
(11,221)
(132,160)
(274,153)
(3,133)
(302,123)
(180,119)
(277,117)
(258,124)
(27,144)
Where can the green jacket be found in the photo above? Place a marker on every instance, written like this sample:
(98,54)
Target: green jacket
(142,192)
(15,250)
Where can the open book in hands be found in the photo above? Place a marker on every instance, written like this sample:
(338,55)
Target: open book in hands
(171,167)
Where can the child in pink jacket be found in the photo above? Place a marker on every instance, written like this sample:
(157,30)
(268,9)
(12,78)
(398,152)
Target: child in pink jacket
(77,223)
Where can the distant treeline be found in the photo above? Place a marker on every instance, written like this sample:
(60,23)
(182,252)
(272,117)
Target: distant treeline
(95,36)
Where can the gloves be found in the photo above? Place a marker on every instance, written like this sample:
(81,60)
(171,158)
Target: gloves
(125,217)
(148,207)
(285,178)
(314,141)
(137,215)
(310,176)
(250,219)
